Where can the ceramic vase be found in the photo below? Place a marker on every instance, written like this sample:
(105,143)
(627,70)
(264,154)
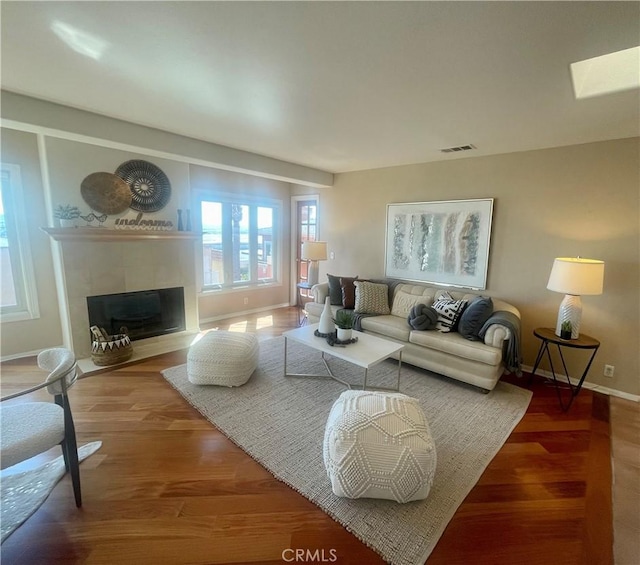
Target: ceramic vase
(326,325)
(180,225)
(344,334)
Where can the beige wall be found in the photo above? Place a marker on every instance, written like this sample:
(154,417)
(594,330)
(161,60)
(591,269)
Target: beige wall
(578,200)
(21,149)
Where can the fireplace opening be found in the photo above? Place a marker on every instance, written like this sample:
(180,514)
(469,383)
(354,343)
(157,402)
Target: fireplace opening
(145,313)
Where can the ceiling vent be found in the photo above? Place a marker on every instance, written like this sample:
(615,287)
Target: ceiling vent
(467,147)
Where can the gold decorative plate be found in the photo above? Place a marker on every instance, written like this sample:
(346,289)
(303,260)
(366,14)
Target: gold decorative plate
(106,193)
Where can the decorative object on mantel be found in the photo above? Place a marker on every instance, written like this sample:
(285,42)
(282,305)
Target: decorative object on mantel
(138,223)
(67,215)
(106,193)
(88,218)
(188,222)
(150,188)
(110,349)
(180,225)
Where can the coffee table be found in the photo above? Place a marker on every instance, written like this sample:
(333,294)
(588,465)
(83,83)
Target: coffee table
(367,352)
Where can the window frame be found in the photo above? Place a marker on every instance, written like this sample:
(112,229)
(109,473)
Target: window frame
(24,280)
(252,203)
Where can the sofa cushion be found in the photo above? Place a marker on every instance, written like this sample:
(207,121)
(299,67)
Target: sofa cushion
(454,344)
(474,317)
(335,290)
(403,302)
(348,292)
(371,298)
(387,326)
(449,311)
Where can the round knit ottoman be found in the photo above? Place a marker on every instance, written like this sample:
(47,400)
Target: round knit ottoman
(222,358)
(378,445)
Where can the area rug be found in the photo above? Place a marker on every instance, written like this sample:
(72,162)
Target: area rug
(22,493)
(280,421)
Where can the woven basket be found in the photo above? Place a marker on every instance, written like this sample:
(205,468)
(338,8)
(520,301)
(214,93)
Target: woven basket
(110,349)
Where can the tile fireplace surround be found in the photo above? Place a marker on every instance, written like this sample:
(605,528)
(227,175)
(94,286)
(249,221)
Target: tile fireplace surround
(94,261)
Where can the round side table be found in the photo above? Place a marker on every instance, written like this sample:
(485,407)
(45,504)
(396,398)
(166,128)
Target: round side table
(548,336)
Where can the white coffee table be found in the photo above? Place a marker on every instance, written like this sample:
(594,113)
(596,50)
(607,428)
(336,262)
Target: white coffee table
(366,352)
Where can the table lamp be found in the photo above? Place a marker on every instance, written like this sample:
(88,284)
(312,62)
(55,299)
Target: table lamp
(574,277)
(314,251)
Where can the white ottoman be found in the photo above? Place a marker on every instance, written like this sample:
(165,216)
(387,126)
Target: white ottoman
(223,358)
(378,445)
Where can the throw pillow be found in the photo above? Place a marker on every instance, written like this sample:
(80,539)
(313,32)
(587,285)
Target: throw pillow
(335,290)
(474,317)
(371,298)
(449,311)
(348,292)
(403,302)
(423,317)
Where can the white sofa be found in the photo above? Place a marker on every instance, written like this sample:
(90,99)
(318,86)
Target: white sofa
(479,363)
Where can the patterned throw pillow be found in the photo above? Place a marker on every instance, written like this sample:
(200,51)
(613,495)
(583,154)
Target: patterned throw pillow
(449,312)
(371,298)
(403,302)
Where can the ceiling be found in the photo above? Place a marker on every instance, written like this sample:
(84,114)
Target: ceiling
(338,86)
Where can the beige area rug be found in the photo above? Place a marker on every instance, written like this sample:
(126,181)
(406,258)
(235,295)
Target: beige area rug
(280,421)
(23,493)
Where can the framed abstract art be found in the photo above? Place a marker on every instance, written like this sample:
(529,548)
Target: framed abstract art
(444,242)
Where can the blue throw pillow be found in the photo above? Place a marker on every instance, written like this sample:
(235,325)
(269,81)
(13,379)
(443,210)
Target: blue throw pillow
(474,317)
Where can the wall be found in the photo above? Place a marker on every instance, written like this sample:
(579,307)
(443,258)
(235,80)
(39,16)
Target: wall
(577,200)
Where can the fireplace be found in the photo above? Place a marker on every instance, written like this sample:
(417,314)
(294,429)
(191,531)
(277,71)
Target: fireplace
(146,313)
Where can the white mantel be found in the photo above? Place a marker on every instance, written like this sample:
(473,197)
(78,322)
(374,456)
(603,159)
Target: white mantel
(95,261)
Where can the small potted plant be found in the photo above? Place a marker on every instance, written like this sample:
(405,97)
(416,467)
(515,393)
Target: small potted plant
(67,215)
(344,321)
(566,329)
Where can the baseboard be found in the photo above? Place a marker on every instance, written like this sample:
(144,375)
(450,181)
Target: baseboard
(244,313)
(33,353)
(597,388)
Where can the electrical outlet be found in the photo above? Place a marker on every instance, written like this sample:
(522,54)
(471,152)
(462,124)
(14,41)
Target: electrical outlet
(246,301)
(332,255)
(608,370)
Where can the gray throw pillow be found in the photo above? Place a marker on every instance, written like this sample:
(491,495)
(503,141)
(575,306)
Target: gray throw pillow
(423,317)
(474,317)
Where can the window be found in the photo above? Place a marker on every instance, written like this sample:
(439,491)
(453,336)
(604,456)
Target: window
(18,299)
(240,242)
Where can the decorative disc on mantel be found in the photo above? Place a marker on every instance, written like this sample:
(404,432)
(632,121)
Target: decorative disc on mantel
(150,187)
(105,193)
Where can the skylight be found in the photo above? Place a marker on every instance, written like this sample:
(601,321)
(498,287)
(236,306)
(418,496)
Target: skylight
(606,74)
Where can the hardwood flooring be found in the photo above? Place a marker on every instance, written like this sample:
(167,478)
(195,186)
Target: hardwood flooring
(166,487)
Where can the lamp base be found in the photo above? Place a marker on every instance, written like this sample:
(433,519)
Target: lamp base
(312,272)
(570,311)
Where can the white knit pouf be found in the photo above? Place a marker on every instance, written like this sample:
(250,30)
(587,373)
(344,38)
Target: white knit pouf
(223,358)
(378,445)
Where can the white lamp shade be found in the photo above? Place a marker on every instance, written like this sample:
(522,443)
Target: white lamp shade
(314,251)
(576,276)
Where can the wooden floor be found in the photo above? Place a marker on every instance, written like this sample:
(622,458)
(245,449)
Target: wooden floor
(166,487)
